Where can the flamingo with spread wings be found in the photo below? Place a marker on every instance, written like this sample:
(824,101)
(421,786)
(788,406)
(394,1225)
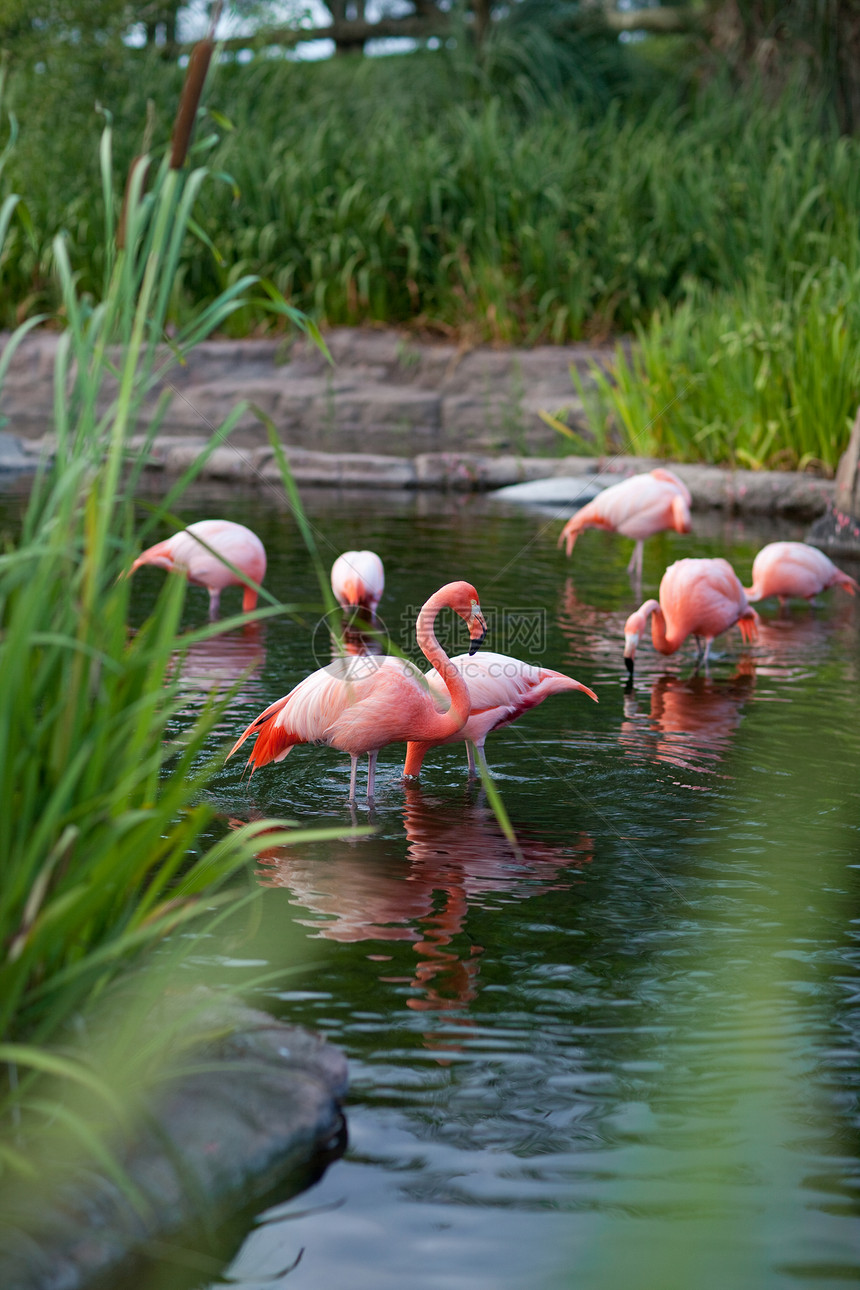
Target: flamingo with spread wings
(358,580)
(787,569)
(361,703)
(203,561)
(501,689)
(701,598)
(638,507)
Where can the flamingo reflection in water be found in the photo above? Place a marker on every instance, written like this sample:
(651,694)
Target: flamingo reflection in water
(793,646)
(692,722)
(591,633)
(458,857)
(212,667)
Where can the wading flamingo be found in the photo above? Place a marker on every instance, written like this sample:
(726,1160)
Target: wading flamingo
(638,508)
(360,704)
(787,569)
(501,689)
(700,598)
(202,566)
(358,580)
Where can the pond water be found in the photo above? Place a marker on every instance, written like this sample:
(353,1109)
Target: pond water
(627,1054)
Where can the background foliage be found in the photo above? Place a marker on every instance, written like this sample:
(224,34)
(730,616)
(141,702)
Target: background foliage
(551,183)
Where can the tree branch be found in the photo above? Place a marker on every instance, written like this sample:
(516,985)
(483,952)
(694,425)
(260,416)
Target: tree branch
(353,31)
(435,22)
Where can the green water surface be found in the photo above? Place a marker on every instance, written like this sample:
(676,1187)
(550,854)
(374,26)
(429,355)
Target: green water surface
(627,1054)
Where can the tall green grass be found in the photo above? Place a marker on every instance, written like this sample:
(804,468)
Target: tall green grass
(747,378)
(108,859)
(428,191)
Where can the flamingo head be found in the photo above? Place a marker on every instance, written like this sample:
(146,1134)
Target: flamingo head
(463,599)
(680,514)
(633,629)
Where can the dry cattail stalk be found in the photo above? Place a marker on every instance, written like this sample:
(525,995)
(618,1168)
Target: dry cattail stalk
(195,76)
(192,89)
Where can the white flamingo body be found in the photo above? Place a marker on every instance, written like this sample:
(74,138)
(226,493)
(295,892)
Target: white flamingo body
(358,580)
(793,569)
(203,562)
(637,508)
(501,689)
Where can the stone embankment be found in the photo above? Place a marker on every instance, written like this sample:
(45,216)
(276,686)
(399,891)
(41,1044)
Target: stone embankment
(382,393)
(393,413)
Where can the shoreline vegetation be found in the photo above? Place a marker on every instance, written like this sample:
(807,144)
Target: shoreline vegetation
(714,223)
(118,874)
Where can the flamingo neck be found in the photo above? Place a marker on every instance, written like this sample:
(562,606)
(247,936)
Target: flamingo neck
(439,725)
(249,600)
(661,640)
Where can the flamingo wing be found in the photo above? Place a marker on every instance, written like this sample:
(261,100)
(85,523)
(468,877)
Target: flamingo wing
(311,709)
(702,598)
(395,706)
(669,477)
(501,689)
(234,542)
(795,569)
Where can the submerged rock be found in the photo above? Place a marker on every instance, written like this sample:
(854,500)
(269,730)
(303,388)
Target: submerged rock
(13,459)
(260,1106)
(566,490)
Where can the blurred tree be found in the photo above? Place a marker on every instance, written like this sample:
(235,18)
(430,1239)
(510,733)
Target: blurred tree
(776,41)
(27,24)
(159,18)
(779,40)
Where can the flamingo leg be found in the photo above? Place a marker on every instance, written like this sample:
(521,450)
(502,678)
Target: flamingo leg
(353,757)
(371,773)
(214,603)
(635,566)
(470,758)
(482,761)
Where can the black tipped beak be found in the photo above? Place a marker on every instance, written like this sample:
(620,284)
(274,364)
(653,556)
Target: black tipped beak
(628,663)
(476,642)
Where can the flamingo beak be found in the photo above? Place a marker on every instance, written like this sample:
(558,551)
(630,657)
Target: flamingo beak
(631,640)
(585,690)
(477,628)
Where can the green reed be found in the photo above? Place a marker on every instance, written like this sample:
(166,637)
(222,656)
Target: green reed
(746,378)
(114,871)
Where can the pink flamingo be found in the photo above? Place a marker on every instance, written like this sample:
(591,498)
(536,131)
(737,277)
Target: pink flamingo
(361,703)
(787,569)
(358,580)
(501,690)
(638,507)
(700,598)
(203,561)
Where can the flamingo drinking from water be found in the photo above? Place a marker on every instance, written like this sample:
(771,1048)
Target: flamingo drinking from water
(204,565)
(358,580)
(700,598)
(501,690)
(788,569)
(361,703)
(638,507)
